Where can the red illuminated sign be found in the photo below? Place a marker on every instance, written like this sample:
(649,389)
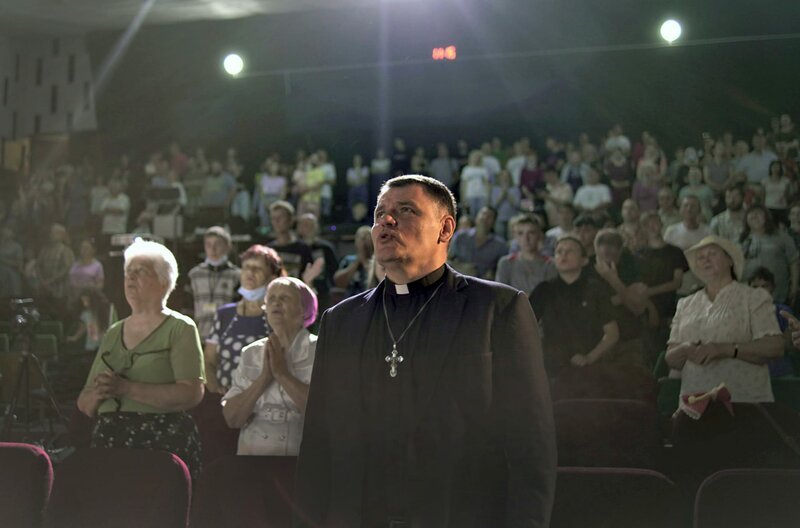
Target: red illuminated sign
(445,53)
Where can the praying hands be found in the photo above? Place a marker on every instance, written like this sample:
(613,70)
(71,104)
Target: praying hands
(275,357)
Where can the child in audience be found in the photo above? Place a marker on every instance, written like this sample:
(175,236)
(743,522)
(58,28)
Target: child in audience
(763,278)
(92,321)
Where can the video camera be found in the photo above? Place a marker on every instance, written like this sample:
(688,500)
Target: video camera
(25,317)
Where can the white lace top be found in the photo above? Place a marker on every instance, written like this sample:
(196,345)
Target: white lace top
(739,314)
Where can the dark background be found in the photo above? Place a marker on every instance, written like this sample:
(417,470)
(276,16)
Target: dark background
(170,82)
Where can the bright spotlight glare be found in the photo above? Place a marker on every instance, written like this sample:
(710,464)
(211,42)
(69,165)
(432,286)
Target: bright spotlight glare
(670,30)
(233,64)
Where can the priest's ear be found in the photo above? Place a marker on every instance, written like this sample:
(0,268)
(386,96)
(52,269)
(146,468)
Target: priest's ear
(447,229)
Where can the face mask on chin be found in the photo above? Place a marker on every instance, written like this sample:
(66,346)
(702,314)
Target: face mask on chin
(252,295)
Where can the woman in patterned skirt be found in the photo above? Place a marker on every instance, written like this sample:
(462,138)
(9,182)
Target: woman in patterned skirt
(239,324)
(149,369)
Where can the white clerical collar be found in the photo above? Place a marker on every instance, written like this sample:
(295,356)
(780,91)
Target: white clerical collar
(421,285)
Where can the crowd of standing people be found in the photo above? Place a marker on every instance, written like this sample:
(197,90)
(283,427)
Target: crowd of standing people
(476,284)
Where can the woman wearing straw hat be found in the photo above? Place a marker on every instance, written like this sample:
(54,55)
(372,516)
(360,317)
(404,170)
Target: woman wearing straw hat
(727,333)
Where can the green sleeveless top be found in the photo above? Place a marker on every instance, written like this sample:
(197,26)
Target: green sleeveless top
(171,352)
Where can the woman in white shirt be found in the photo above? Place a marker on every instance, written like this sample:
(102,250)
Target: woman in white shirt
(268,396)
(727,333)
(475,183)
(594,197)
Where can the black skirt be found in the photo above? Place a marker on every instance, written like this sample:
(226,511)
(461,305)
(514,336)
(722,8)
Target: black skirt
(173,432)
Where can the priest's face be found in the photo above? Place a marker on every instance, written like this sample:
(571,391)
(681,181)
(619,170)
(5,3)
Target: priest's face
(411,232)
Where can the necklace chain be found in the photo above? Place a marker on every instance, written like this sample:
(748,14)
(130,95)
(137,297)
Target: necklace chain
(389,326)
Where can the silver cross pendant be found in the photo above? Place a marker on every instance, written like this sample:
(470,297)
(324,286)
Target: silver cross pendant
(393,361)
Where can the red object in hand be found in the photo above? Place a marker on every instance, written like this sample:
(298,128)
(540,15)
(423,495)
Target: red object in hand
(694,405)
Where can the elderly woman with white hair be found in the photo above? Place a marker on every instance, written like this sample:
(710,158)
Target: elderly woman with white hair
(149,369)
(270,384)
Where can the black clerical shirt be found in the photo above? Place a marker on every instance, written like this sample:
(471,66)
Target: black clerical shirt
(388,403)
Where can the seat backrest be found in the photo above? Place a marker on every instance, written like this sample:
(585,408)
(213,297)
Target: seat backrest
(123,488)
(607,433)
(54,328)
(26,479)
(736,498)
(615,498)
(787,391)
(216,437)
(245,492)
(45,346)
(601,380)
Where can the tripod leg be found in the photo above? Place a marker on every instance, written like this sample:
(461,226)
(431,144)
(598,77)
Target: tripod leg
(47,388)
(9,417)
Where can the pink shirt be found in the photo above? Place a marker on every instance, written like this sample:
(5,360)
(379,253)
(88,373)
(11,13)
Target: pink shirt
(86,275)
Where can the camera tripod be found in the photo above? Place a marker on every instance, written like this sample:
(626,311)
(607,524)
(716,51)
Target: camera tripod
(28,363)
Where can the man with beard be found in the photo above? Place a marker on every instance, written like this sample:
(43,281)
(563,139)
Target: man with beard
(730,222)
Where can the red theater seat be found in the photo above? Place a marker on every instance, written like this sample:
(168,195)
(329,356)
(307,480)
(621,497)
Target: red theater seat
(120,488)
(745,498)
(245,492)
(615,498)
(26,478)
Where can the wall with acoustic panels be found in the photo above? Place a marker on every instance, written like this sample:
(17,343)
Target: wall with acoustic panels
(6,87)
(45,87)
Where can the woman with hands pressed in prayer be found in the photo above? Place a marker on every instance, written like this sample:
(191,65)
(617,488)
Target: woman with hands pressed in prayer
(268,396)
(149,369)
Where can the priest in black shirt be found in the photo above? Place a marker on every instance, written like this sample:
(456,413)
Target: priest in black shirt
(428,406)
